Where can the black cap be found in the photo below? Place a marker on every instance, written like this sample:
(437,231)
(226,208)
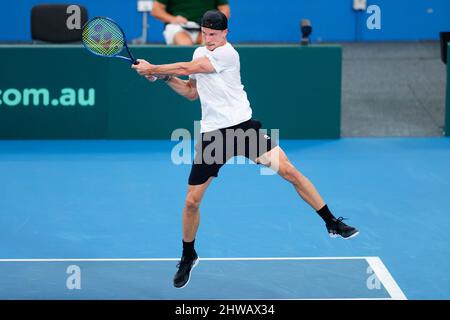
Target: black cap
(214,19)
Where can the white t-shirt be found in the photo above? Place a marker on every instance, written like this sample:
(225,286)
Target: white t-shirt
(223,99)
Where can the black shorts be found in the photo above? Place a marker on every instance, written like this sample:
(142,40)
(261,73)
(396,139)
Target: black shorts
(215,148)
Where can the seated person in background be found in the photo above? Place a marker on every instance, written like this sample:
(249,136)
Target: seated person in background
(183,17)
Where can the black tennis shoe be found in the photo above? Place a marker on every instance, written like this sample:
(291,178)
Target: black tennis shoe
(336,228)
(185,267)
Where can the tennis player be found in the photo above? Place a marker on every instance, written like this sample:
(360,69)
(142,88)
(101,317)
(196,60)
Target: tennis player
(214,77)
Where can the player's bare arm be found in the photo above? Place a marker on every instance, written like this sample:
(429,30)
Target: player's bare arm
(199,65)
(185,88)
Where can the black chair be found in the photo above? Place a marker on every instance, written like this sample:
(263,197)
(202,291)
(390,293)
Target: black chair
(49,23)
(445,40)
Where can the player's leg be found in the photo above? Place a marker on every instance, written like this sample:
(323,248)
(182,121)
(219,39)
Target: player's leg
(202,173)
(191,210)
(191,221)
(278,161)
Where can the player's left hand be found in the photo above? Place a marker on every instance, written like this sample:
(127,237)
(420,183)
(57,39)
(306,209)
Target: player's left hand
(144,68)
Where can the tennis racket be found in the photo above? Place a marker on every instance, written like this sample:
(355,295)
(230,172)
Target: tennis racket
(103,37)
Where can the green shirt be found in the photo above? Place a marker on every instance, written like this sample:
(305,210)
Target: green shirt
(192,10)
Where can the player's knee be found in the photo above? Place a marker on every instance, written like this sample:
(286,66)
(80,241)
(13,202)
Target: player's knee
(192,203)
(288,171)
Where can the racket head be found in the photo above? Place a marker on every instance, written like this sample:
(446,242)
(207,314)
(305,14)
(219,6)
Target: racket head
(102,36)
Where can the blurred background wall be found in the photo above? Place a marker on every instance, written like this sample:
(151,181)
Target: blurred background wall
(267,21)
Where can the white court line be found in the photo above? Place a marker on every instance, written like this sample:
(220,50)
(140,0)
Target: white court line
(177,259)
(311,299)
(386,278)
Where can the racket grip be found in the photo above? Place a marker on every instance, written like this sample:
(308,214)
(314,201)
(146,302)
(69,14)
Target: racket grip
(135,62)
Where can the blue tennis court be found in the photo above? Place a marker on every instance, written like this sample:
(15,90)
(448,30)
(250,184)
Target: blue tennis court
(111,211)
(237,278)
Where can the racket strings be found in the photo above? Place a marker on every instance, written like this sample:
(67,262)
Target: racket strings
(103,37)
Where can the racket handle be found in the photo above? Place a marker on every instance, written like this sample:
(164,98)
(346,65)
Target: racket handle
(135,62)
